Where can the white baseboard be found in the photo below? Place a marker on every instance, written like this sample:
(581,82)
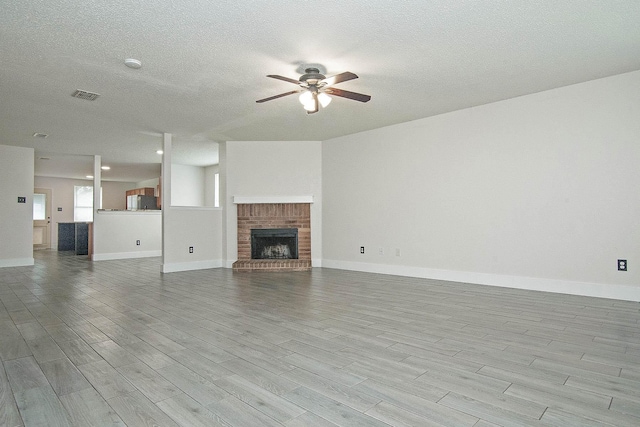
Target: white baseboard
(16,262)
(600,290)
(126,255)
(192,265)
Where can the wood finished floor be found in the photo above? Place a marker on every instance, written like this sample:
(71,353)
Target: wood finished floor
(118,343)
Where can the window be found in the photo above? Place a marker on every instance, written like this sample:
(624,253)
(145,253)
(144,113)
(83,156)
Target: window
(39,206)
(216,190)
(83,203)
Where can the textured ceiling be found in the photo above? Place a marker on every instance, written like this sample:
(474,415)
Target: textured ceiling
(204,65)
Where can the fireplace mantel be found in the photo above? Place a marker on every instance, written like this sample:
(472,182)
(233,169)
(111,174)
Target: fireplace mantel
(247,200)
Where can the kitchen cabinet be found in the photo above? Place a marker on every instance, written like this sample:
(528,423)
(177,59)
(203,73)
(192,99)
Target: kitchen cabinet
(66,236)
(159,188)
(146,191)
(73,236)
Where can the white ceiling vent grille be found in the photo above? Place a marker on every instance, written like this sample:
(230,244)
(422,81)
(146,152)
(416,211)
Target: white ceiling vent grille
(83,94)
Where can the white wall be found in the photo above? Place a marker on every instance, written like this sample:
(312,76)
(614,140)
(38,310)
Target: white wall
(113,197)
(200,228)
(116,235)
(184,226)
(114,194)
(187,185)
(16,219)
(153,183)
(539,192)
(271,168)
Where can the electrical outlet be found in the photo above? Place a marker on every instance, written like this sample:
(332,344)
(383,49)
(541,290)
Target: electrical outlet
(380,251)
(22,199)
(361,249)
(190,249)
(137,242)
(397,251)
(622,265)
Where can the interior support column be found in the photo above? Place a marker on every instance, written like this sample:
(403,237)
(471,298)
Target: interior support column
(97,193)
(165,176)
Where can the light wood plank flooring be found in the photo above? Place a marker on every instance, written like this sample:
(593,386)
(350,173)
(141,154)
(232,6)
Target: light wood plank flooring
(118,343)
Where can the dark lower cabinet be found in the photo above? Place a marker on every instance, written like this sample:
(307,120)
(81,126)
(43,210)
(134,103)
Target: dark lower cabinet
(82,238)
(73,236)
(66,236)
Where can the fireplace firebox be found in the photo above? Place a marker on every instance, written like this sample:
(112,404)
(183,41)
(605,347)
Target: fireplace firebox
(274,243)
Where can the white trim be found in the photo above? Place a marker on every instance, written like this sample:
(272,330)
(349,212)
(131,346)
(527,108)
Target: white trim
(245,200)
(16,262)
(129,212)
(126,255)
(192,265)
(599,290)
(194,208)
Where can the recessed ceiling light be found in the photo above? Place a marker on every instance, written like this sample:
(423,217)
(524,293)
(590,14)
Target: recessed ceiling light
(105,168)
(160,152)
(90,176)
(133,63)
(40,135)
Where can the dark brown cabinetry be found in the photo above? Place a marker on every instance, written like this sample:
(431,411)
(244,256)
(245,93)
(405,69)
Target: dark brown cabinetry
(146,191)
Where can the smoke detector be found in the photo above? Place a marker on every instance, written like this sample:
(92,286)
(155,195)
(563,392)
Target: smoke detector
(133,63)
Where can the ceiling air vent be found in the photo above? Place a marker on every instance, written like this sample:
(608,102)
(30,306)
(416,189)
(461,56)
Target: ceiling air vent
(83,94)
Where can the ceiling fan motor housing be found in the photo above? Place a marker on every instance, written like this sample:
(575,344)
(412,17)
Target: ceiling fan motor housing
(312,76)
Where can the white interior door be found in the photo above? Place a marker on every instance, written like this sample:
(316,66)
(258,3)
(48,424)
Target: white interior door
(41,218)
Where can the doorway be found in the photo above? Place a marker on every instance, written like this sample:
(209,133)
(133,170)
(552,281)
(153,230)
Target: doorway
(41,218)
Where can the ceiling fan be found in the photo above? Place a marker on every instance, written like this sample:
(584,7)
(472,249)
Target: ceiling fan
(315,89)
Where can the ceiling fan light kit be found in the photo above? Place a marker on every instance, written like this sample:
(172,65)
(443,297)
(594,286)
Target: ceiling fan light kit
(308,101)
(315,89)
(324,99)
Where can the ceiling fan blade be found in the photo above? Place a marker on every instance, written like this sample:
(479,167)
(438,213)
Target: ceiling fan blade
(339,78)
(277,96)
(286,79)
(347,94)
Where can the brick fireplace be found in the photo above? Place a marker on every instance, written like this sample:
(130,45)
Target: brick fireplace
(274,216)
